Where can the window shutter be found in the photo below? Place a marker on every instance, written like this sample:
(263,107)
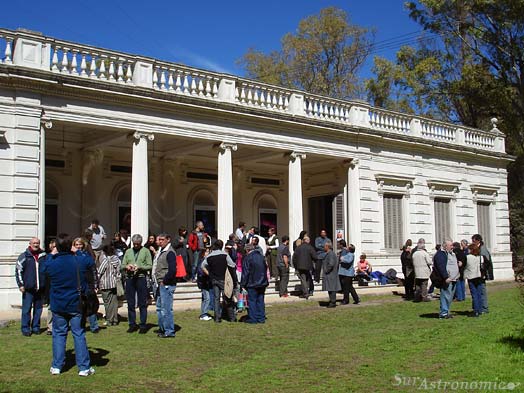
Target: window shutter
(393,221)
(484,224)
(442,220)
(339,212)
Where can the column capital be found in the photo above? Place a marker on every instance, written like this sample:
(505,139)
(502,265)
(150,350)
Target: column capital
(46,122)
(297,154)
(351,163)
(227,146)
(146,135)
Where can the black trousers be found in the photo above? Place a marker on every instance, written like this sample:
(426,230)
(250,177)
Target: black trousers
(283,276)
(223,304)
(347,288)
(409,286)
(332,297)
(318,269)
(305,281)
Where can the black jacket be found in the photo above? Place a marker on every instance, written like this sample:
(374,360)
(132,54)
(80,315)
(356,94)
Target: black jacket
(304,256)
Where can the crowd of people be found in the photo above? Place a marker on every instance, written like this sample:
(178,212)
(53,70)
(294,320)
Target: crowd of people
(451,265)
(229,276)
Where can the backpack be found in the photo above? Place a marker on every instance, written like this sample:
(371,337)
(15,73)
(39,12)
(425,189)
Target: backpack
(391,275)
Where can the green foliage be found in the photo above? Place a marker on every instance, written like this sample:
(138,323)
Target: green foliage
(322,57)
(472,71)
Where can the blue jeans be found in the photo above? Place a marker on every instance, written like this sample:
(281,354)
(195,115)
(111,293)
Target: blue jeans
(61,322)
(196,264)
(484,294)
(138,286)
(205,306)
(256,311)
(31,301)
(475,287)
(93,322)
(164,309)
(446,297)
(460,292)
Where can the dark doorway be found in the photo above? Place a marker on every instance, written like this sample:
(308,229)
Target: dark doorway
(124,218)
(320,211)
(267,220)
(51,222)
(208,218)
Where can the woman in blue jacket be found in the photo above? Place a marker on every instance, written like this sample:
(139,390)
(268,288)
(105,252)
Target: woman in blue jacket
(346,272)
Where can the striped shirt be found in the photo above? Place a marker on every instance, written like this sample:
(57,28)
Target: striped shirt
(108,271)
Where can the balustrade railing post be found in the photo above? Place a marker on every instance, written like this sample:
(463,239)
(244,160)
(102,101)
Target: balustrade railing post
(359,116)
(226,90)
(415,127)
(500,139)
(500,144)
(143,74)
(296,104)
(32,53)
(460,136)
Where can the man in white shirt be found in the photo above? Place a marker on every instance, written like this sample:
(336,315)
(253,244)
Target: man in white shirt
(239,232)
(99,234)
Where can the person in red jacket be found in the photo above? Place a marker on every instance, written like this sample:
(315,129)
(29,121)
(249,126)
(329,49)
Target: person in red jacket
(197,247)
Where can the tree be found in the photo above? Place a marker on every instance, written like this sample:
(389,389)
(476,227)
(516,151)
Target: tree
(474,72)
(489,34)
(323,57)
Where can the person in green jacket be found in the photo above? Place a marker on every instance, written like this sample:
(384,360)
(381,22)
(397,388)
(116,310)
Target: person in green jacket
(136,265)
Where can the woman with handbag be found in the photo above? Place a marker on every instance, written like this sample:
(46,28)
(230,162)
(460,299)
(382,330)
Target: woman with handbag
(109,276)
(475,275)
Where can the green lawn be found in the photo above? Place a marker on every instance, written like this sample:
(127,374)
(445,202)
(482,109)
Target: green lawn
(302,347)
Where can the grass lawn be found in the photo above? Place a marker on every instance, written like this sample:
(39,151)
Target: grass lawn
(302,347)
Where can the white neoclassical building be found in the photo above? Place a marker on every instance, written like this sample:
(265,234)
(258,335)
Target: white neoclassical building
(137,142)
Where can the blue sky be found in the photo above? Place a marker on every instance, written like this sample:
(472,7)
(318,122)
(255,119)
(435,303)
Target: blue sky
(207,34)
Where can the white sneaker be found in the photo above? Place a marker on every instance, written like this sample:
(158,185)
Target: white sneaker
(54,371)
(205,318)
(86,373)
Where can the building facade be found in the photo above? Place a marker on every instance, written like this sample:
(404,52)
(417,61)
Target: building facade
(150,146)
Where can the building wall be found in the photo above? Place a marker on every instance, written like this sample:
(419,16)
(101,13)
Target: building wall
(19,172)
(87,188)
(420,178)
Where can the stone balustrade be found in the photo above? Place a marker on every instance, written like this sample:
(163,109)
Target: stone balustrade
(385,120)
(29,49)
(436,130)
(185,80)
(250,93)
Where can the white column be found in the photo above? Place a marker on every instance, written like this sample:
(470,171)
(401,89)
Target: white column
(225,191)
(44,123)
(140,185)
(353,202)
(296,220)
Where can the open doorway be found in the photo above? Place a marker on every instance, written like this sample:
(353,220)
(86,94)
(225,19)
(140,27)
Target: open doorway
(320,215)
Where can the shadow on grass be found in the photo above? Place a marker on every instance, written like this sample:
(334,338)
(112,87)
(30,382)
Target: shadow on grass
(430,315)
(515,342)
(97,356)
